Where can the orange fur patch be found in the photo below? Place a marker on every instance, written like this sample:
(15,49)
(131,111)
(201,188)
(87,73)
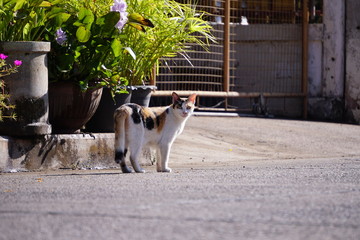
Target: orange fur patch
(146,112)
(162,119)
(121,113)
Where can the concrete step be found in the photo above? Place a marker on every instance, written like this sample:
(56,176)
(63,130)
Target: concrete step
(68,151)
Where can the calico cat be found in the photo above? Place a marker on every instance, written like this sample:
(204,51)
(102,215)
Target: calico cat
(136,127)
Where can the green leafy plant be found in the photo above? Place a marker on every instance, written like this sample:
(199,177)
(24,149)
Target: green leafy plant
(5,70)
(105,43)
(176,25)
(26,20)
(87,43)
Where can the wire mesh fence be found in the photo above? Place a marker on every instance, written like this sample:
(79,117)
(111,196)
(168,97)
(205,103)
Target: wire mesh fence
(203,72)
(265,51)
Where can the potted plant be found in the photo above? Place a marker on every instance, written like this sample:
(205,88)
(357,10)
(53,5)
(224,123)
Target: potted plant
(86,45)
(21,26)
(176,25)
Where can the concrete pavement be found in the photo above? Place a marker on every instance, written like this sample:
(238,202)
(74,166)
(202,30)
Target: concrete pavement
(233,179)
(303,199)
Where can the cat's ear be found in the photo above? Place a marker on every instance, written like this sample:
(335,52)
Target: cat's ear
(192,98)
(175,97)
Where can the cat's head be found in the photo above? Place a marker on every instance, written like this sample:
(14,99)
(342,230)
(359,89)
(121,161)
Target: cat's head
(183,107)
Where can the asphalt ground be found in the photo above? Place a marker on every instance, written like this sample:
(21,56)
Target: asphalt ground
(233,178)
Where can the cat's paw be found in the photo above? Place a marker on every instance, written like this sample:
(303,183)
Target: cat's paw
(168,170)
(125,169)
(140,170)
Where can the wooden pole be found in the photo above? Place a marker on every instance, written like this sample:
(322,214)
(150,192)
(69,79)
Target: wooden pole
(305,44)
(153,76)
(226,66)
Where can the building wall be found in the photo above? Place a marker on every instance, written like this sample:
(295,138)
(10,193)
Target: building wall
(326,64)
(352,83)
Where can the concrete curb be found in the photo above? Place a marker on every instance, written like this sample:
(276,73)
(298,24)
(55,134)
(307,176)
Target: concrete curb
(72,151)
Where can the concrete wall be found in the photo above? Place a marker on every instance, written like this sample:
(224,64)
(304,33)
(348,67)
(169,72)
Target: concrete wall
(315,62)
(334,92)
(326,64)
(352,84)
(267,59)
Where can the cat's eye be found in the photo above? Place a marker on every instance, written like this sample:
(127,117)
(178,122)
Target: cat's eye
(188,107)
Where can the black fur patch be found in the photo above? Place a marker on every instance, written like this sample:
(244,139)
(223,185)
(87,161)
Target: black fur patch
(119,156)
(178,104)
(136,116)
(149,123)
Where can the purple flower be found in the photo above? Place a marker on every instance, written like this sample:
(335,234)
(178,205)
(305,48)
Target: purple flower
(60,37)
(17,62)
(120,6)
(3,56)
(121,23)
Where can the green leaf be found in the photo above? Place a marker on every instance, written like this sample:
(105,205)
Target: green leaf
(83,85)
(77,54)
(19,5)
(85,19)
(83,34)
(116,47)
(108,22)
(45,4)
(86,16)
(61,18)
(139,19)
(26,29)
(137,26)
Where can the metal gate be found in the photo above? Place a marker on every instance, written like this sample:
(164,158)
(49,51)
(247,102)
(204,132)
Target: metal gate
(259,54)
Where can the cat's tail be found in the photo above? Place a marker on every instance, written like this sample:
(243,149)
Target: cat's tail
(120,117)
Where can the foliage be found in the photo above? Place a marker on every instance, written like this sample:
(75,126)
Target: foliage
(92,46)
(176,25)
(26,20)
(5,70)
(86,42)
(93,49)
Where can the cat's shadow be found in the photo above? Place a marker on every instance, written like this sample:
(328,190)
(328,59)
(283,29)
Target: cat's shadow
(84,174)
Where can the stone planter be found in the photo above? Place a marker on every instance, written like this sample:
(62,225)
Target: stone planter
(103,119)
(28,89)
(70,108)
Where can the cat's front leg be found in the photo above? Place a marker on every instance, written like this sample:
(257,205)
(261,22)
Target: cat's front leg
(158,164)
(162,166)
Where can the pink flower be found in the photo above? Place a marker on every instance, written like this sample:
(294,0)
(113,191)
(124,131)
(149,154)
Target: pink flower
(3,56)
(17,62)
